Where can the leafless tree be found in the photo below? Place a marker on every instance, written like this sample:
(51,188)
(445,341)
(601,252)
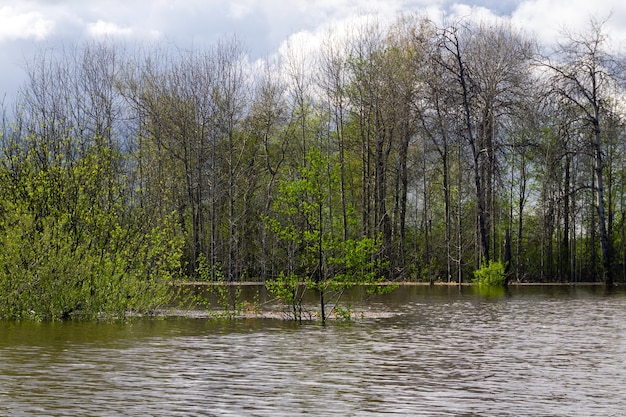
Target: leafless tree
(585,75)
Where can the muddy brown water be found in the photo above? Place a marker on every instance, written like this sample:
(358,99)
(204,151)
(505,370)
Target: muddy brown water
(534,351)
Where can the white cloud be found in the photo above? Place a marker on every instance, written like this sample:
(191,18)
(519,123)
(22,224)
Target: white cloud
(474,13)
(268,26)
(102,28)
(239,10)
(547,19)
(16,24)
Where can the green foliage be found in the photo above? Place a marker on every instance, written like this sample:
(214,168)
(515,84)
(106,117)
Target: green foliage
(228,297)
(69,249)
(289,289)
(357,260)
(491,274)
(321,260)
(344,313)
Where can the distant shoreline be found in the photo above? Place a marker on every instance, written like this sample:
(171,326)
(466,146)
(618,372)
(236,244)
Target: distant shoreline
(401,283)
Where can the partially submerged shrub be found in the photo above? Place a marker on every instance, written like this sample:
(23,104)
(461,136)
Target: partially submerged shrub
(492,274)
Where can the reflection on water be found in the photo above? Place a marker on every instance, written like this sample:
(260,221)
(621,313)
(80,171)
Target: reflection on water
(549,351)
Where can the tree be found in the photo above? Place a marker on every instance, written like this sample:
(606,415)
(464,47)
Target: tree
(317,259)
(333,81)
(584,75)
(230,97)
(191,110)
(436,118)
(489,65)
(455,60)
(383,73)
(268,125)
(170,101)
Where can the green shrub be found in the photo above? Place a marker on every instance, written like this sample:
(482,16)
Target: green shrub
(288,289)
(70,248)
(491,274)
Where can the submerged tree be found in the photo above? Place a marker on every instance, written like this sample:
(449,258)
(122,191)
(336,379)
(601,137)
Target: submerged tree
(317,259)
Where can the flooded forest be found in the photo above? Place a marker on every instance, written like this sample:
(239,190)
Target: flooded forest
(409,151)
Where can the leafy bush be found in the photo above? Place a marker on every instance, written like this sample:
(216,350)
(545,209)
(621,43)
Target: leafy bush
(70,249)
(48,273)
(491,274)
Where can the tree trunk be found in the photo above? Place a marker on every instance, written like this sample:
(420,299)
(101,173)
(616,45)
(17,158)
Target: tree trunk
(605,242)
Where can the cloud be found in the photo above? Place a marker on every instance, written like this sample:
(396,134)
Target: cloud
(16,24)
(474,13)
(102,28)
(547,19)
(266,27)
(238,10)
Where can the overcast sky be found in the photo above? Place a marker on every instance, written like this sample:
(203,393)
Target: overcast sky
(262,25)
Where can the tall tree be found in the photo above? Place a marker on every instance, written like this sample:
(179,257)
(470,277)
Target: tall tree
(454,41)
(585,74)
(490,66)
(268,124)
(230,96)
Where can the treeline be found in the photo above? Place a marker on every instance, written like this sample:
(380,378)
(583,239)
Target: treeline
(436,148)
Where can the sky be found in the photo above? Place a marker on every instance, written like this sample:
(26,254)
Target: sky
(264,26)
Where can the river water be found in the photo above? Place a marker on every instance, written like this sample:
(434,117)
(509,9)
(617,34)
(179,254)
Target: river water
(535,351)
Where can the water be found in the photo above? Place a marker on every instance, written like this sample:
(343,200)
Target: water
(536,352)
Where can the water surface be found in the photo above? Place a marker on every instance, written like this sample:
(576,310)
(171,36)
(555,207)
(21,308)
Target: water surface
(549,351)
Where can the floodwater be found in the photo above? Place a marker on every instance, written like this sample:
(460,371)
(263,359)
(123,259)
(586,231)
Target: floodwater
(535,351)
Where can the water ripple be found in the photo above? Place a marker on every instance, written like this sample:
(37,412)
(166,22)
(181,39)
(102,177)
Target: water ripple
(509,357)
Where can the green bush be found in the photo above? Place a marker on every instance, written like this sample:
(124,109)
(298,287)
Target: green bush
(288,289)
(491,274)
(48,273)
(69,248)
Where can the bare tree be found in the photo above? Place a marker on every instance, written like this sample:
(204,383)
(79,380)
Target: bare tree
(434,111)
(454,41)
(229,96)
(171,99)
(269,122)
(489,65)
(71,93)
(333,80)
(585,74)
